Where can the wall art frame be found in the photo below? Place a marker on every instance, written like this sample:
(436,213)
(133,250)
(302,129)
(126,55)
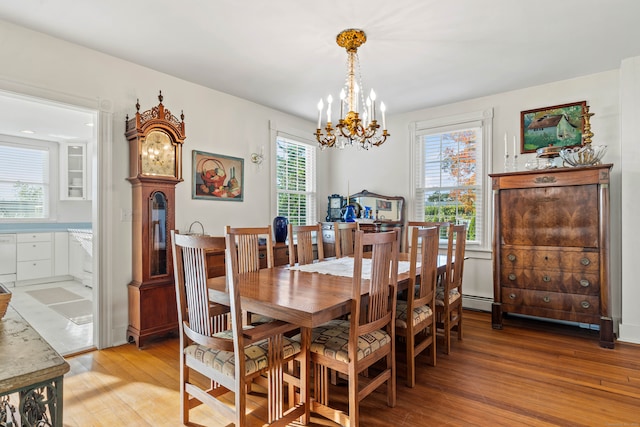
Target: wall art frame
(217,177)
(555,126)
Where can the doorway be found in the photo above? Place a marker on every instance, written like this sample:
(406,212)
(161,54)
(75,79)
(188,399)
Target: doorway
(61,303)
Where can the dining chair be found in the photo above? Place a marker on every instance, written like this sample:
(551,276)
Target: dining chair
(412,225)
(418,328)
(301,247)
(345,232)
(351,346)
(449,291)
(247,244)
(215,353)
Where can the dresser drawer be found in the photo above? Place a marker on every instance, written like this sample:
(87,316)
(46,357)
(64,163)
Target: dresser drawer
(215,264)
(563,259)
(581,304)
(28,270)
(551,280)
(33,251)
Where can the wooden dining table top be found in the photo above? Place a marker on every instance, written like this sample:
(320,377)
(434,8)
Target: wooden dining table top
(304,298)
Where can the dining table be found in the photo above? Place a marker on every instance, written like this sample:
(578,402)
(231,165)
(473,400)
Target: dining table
(304,298)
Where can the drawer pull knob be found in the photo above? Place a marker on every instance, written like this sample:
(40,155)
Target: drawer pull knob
(546,258)
(261,256)
(584,283)
(585,261)
(546,299)
(512,276)
(546,278)
(512,296)
(585,304)
(511,257)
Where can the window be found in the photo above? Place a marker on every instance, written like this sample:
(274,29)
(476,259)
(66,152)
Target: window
(450,174)
(24,181)
(295,180)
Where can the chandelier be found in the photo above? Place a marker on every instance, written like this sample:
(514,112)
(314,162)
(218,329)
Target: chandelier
(357,123)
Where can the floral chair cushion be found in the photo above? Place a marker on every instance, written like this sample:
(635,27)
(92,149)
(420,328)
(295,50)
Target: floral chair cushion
(453,295)
(255,355)
(332,339)
(419,314)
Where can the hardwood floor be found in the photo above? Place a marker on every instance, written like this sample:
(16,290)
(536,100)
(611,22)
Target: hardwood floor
(531,373)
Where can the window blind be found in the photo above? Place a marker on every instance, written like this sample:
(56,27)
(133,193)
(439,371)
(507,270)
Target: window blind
(24,182)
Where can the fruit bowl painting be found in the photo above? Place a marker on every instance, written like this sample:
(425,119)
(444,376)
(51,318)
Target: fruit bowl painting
(217,177)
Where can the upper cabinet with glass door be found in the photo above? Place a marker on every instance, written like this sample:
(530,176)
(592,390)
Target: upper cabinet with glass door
(73,171)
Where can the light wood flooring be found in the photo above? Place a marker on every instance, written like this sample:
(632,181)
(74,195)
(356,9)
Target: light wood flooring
(531,373)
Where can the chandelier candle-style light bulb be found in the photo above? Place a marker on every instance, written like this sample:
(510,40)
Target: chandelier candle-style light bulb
(357,123)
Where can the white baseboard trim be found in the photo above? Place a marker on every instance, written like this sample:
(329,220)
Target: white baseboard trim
(629,333)
(477,303)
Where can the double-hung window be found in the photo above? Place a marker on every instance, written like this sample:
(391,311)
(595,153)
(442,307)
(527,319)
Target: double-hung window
(25,181)
(449,172)
(295,179)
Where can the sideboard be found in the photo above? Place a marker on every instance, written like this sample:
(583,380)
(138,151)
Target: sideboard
(551,246)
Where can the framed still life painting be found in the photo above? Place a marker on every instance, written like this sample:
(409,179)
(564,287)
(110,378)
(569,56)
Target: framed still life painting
(556,126)
(217,177)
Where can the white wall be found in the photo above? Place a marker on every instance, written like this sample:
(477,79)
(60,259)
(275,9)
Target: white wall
(630,163)
(387,169)
(43,66)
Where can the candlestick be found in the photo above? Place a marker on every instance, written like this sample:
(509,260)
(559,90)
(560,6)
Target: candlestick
(320,105)
(506,150)
(515,149)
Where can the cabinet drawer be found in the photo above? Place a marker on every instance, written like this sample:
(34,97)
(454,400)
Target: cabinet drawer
(581,304)
(28,270)
(33,237)
(280,255)
(550,280)
(34,251)
(215,264)
(562,259)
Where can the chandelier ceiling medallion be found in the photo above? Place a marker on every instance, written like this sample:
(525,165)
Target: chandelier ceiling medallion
(357,123)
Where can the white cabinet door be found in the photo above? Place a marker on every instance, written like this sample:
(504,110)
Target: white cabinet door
(73,171)
(76,258)
(61,253)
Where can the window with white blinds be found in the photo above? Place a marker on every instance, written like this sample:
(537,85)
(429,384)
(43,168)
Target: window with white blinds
(24,181)
(449,178)
(296,180)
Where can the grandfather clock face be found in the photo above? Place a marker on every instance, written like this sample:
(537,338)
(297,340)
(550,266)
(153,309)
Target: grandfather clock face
(158,155)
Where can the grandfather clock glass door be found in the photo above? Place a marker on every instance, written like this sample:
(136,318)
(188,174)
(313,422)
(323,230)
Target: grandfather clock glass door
(158,233)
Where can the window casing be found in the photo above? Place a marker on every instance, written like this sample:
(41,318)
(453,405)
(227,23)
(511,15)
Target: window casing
(27,179)
(450,182)
(295,180)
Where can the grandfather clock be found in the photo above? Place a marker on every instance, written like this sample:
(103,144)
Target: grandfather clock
(155,167)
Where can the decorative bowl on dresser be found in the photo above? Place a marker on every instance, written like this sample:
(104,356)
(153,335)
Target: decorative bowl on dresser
(551,246)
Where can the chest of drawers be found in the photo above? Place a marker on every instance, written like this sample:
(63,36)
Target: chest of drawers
(551,246)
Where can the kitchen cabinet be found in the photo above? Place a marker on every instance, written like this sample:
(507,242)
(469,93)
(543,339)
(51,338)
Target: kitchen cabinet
(551,246)
(61,253)
(73,171)
(34,256)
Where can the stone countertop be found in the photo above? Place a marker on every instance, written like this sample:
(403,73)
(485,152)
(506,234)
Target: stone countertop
(41,227)
(25,357)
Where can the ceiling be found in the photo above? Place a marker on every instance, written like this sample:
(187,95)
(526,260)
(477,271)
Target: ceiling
(283,54)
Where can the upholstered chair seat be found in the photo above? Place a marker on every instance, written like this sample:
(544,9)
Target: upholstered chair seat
(420,314)
(332,339)
(255,355)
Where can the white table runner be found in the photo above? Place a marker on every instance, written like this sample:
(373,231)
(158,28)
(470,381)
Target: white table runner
(344,267)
